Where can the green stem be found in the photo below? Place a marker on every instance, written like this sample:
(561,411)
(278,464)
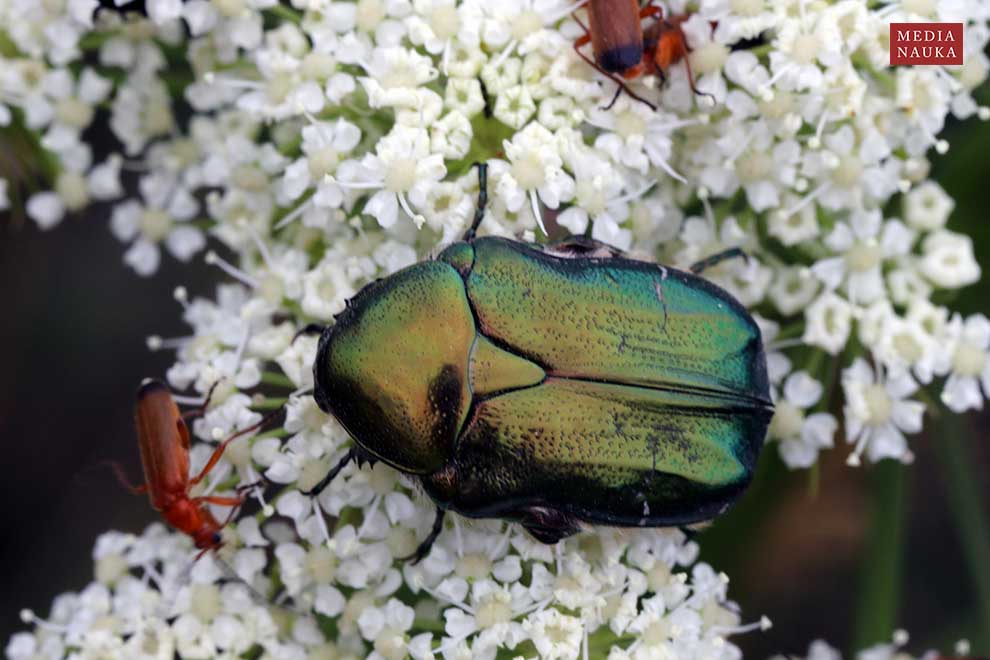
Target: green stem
(880,582)
(285,13)
(271,403)
(280,380)
(968,511)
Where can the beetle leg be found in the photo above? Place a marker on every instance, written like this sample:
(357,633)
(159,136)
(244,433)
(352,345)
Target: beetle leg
(243,488)
(219,500)
(218,452)
(549,525)
(488,101)
(427,544)
(690,77)
(334,471)
(650,9)
(581,41)
(310,329)
(718,258)
(479,212)
(201,410)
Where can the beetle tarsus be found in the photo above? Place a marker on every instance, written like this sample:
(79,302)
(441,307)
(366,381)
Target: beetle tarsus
(427,544)
(334,471)
(201,410)
(715,259)
(479,212)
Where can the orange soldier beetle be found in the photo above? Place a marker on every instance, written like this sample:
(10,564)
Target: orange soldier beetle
(163,439)
(622,48)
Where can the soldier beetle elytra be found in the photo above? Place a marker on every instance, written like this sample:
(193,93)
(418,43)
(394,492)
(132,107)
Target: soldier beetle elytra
(623,48)
(163,440)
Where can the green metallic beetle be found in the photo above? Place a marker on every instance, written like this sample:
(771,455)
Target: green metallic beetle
(551,386)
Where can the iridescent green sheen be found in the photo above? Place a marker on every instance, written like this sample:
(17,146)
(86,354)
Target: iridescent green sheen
(393,369)
(617,320)
(553,386)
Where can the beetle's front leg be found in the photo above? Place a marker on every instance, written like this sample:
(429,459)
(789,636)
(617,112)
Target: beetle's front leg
(479,211)
(427,544)
(334,471)
(309,329)
(717,258)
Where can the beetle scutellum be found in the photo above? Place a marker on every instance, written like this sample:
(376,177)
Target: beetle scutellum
(550,385)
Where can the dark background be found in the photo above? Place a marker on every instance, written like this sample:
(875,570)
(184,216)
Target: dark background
(72,352)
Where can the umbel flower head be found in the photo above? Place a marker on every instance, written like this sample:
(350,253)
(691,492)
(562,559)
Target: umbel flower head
(324,144)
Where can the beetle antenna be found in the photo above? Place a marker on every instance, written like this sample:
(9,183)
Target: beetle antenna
(479,212)
(121,474)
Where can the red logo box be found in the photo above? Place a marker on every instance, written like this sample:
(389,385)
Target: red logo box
(926,43)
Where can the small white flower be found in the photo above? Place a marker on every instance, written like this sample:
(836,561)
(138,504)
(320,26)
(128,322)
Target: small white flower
(878,412)
(948,261)
(927,207)
(324,144)
(533,169)
(970,368)
(801,436)
(402,165)
(828,323)
(554,634)
(864,243)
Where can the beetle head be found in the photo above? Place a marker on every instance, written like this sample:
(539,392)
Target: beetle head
(393,369)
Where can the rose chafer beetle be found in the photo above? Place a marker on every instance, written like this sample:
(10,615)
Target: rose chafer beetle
(550,385)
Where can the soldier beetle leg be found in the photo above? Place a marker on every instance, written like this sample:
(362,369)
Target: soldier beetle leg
(585,40)
(201,410)
(218,452)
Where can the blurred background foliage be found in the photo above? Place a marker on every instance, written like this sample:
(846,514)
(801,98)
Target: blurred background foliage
(845,554)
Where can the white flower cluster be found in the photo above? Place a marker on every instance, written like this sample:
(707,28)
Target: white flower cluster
(281,592)
(328,143)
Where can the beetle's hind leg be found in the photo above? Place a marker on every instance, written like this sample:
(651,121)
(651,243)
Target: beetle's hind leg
(427,544)
(717,258)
